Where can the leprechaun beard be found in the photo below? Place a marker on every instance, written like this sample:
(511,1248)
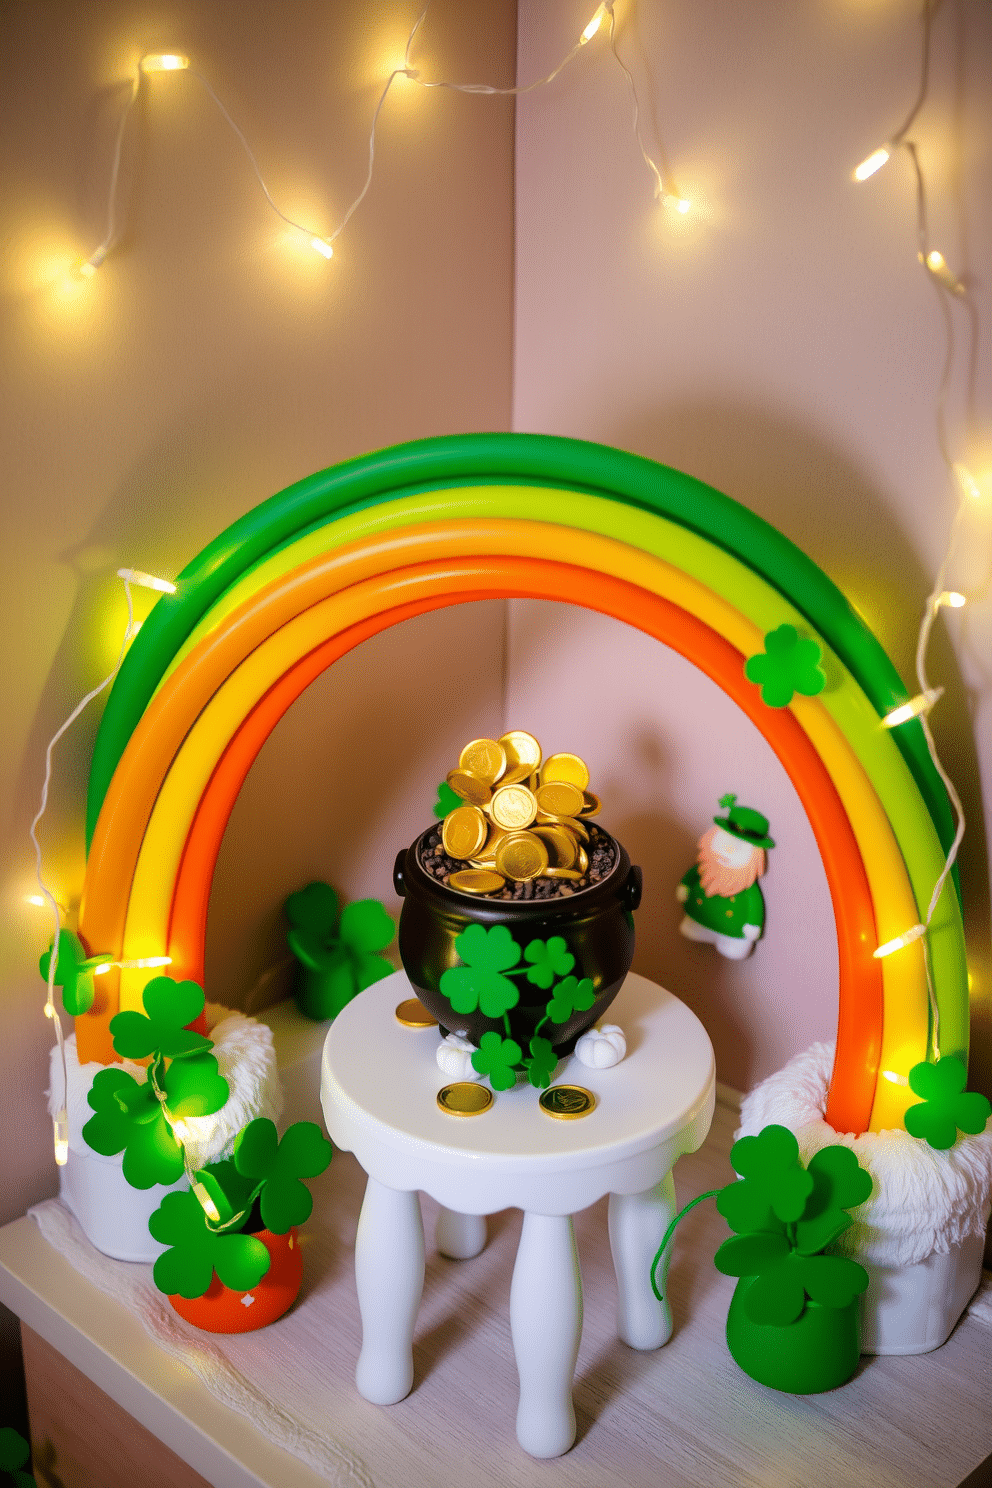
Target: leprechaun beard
(718,878)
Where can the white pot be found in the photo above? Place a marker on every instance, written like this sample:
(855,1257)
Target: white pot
(113,1215)
(913,1309)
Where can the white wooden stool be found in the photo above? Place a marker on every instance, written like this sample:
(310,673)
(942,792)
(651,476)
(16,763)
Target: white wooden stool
(379,1085)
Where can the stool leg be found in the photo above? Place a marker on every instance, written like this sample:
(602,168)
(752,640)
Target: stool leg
(389,1273)
(546,1324)
(460,1236)
(637,1227)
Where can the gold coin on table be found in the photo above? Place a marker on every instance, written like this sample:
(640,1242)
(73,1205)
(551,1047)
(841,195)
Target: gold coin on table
(520,749)
(521,856)
(567,1102)
(559,798)
(470,787)
(476,881)
(483,757)
(562,847)
(567,767)
(413,1014)
(591,804)
(464,832)
(465,1098)
(513,807)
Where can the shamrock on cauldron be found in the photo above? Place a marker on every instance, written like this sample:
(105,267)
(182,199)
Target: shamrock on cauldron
(946,1107)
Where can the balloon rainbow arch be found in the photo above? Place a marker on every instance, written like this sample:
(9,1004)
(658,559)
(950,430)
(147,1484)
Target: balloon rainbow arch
(352,550)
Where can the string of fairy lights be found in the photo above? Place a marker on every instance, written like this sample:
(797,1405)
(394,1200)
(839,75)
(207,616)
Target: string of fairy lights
(949,288)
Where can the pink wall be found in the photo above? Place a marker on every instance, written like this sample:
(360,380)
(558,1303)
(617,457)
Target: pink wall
(781,342)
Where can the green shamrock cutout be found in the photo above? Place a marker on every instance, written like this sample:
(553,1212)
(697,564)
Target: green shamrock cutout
(73,972)
(946,1106)
(788,664)
(497,1056)
(14,1452)
(839,1183)
(784,1278)
(479,984)
(169,1007)
(129,1116)
(775,1187)
(337,950)
(196,1251)
(446,801)
(570,996)
(542,1063)
(278,1167)
(549,958)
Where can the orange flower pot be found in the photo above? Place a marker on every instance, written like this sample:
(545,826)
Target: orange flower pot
(220,1310)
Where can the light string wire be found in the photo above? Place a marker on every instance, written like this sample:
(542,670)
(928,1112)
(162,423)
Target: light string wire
(60,1121)
(946,285)
(324,244)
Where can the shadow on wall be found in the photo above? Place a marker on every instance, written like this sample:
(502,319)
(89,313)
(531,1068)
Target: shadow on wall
(829,508)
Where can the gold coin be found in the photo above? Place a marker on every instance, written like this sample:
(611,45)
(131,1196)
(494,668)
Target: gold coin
(470,787)
(591,805)
(562,873)
(559,798)
(483,757)
(465,1098)
(570,824)
(514,774)
(521,856)
(476,881)
(567,1102)
(413,1014)
(562,847)
(583,860)
(464,832)
(520,749)
(567,767)
(513,807)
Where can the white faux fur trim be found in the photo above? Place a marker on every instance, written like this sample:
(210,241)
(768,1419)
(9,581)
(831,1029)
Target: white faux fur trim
(924,1201)
(246,1057)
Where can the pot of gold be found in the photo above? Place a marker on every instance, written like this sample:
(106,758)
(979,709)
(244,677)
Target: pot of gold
(518,908)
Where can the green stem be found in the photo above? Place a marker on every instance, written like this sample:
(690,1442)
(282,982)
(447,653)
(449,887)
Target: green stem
(540,1025)
(506,1025)
(668,1235)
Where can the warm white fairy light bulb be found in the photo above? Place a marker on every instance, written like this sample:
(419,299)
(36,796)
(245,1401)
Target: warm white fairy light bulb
(206,1202)
(60,1131)
(164,62)
(146,580)
(951,599)
(873,163)
(598,20)
(894,1078)
(966,481)
(900,941)
(922,703)
(321,246)
(936,264)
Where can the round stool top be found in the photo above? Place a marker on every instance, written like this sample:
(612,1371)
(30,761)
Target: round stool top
(379,1084)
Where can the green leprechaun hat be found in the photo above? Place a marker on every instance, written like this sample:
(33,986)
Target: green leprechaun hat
(740,821)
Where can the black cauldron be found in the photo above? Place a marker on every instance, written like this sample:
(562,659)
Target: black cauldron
(597,925)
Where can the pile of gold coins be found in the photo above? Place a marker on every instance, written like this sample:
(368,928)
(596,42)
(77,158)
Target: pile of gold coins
(524,816)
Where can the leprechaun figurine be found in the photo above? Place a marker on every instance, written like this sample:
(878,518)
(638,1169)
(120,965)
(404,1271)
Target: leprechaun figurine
(723,903)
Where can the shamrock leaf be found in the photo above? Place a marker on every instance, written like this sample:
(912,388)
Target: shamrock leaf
(278,1166)
(775,1186)
(496,1057)
(313,909)
(73,972)
(169,1006)
(839,1183)
(946,1105)
(777,1295)
(832,1280)
(478,984)
(787,665)
(14,1452)
(542,1062)
(196,1251)
(446,801)
(570,996)
(366,927)
(550,958)
(129,1116)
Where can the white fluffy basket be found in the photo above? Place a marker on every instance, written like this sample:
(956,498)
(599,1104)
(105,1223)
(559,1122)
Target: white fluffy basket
(114,1215)
(922,1231)
(924,1202)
